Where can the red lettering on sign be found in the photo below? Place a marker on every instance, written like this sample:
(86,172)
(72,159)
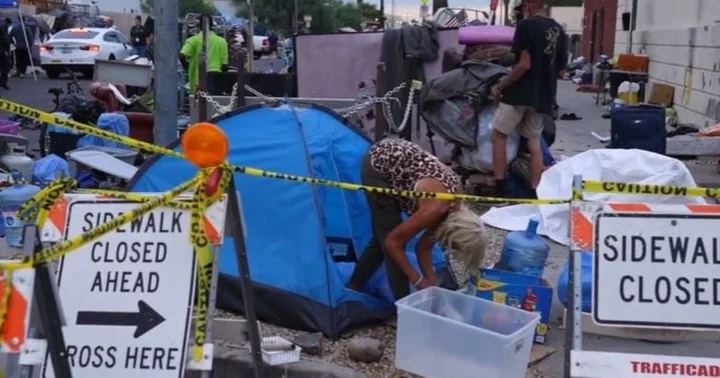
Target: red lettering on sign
(667,368)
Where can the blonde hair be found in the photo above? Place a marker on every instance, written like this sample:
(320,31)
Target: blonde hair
(463,236)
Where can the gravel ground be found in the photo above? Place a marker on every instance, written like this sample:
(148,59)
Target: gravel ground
(336,351)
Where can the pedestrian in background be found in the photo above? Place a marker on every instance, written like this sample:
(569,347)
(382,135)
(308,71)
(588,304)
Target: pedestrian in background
(138,38)
(22,37)
(4,57)
(528,91)
(217,56)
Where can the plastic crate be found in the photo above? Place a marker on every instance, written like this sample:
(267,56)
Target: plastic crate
(279,357)
(442,333)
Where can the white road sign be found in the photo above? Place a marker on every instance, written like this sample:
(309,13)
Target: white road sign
(128,296)
(657,270)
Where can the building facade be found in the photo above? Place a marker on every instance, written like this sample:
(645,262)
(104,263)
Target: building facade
(682,40)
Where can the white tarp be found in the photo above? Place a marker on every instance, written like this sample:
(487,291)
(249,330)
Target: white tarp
(616,165)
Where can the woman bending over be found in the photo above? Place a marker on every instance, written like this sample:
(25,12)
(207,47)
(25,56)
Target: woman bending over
(403,165)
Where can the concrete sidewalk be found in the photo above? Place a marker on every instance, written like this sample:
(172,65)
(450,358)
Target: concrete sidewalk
(572,138)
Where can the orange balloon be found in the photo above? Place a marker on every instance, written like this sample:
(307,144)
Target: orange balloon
(205,145)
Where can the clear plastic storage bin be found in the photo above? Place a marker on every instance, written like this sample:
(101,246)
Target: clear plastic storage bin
(442,334)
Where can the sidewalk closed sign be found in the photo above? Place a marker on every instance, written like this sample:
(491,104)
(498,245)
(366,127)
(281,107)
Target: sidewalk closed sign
(127,296)
(657,270)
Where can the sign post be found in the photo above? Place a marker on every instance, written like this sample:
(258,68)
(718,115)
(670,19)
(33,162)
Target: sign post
(655,266)
(128,296)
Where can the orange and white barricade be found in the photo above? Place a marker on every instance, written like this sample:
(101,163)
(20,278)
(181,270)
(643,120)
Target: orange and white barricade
(18,308)
(655,266)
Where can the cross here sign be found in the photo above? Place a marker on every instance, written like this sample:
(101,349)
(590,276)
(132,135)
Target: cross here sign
(128,295)
(657,270)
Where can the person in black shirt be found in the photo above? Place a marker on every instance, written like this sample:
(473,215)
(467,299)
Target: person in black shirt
(528,91)
(4,56)
(138,38)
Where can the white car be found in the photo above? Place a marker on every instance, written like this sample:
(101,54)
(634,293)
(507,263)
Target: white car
(77,49)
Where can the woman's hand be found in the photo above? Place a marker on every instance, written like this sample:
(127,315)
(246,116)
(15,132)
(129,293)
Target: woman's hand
(427,282)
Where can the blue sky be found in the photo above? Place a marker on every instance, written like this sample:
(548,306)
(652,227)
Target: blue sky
(412,7)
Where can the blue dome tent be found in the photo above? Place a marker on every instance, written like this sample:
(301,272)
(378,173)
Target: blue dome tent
(299,237)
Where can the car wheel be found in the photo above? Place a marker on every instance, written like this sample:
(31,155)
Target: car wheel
(111,57)
(52,74)
(257,55)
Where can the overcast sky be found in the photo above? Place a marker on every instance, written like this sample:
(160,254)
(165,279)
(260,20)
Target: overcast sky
(412,7)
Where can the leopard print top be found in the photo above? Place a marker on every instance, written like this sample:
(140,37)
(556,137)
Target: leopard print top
(404,163)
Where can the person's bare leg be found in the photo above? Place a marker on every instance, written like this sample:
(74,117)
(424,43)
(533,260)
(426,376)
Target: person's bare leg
(499,143)
(536,161)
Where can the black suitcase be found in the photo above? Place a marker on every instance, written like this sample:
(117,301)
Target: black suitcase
(641,127)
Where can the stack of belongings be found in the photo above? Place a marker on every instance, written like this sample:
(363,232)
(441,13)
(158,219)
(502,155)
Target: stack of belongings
(192,23)
(457,106)
(235,37)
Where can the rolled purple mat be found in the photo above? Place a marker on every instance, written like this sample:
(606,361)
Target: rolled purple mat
(486,35)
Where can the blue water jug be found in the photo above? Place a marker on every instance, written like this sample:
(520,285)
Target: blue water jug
(11,198)
(525,252)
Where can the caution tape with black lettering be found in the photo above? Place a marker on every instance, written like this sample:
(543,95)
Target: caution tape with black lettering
(44,117)
(27,112)
(592,186)
(203,251)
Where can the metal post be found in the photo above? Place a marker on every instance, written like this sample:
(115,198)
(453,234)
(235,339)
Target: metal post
(212,299)
(235,227)
(573,318)
(202,71)
(166,71)
(48,306)
(240,82)
(251,34)
(633,22)
(296,17)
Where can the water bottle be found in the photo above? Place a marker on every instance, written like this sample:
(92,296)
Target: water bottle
(11,198)
(525,252)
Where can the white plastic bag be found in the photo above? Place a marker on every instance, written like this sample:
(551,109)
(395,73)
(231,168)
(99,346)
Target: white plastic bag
(481,158)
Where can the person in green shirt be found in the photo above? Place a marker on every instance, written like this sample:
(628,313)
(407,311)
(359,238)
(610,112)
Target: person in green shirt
(217,56)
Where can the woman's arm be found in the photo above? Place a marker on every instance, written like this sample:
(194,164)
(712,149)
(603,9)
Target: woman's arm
(423,250)
(430,213)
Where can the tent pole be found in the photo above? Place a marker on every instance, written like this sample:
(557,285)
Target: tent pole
(22,25)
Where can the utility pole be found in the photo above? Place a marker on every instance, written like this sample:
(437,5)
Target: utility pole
(251,37)
(166,71)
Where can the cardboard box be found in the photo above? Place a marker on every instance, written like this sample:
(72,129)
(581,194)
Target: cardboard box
(518,290)
(662,94)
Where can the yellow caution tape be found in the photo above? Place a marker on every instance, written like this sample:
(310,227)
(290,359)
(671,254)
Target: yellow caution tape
(134,197)
(44,117)
(27,112)
(7,289)
(67,246)
(592,186)
(44,200)
(395,192)
(204,253)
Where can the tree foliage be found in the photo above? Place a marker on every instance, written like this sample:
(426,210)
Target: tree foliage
(327,15)
(186,6)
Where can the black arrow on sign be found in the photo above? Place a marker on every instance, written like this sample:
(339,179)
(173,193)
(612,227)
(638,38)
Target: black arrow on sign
(144,320)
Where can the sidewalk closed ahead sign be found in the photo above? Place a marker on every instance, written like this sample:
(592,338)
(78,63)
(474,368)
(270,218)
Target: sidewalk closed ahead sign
(127,296)
(657,270)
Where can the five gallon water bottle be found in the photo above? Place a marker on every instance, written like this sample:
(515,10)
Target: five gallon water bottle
(524,252)
(11,199)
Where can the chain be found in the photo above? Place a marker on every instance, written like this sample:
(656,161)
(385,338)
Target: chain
(387,110)
(220,109)
(386,102)
(347,112)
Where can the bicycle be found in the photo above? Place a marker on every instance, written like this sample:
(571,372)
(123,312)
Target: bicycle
(73,88)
